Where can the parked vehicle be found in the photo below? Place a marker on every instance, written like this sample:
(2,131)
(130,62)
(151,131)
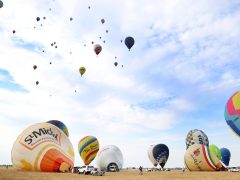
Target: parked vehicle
(233,169)
(95,172)
(85,170)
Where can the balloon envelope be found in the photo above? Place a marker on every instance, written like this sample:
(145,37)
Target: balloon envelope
(43,147)
(97,48)
(34,67)
(129,42)
(150,155)
(82,70)
(199,157)
(102,21)
(226,155)
(196,136)
(88,148)
(109,156)
(232,113)
(160,153)
(60,125)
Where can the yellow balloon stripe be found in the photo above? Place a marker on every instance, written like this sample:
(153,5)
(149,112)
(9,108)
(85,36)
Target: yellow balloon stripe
(235,100)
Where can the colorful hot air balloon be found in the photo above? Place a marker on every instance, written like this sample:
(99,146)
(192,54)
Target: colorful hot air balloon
(199,157)
(196,136)
(82,70)
(150,155)
(109,157)
(232,113)
(88,148)
(60,125)
(97,48)
(43,147)
(160,153)
(216,151)
(226,156)
(129,42)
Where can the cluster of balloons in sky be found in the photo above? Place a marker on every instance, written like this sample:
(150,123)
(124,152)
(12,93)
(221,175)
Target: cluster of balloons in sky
(129,42)
(46,147)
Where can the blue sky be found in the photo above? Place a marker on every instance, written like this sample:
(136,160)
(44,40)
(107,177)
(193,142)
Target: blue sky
(178,76)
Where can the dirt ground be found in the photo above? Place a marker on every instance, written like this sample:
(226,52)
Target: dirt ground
(12,174)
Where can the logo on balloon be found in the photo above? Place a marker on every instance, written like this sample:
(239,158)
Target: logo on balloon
(36,137)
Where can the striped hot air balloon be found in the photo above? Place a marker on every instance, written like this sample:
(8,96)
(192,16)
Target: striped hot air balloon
(232,113)
(199,157)
(88,148)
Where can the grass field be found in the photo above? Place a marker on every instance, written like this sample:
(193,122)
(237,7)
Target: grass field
(12,174)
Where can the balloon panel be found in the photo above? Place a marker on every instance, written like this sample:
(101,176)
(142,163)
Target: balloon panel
(160,154)
(199,157)
(196,136)
(232,113)
(88,148)
(216,151)
(42,147)
(60,125)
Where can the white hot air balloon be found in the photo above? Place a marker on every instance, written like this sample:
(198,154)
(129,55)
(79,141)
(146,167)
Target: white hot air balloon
(43,147)
(109,158)
(150,155)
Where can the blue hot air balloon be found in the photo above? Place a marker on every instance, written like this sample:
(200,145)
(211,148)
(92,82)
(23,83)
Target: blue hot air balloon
(226,155)
(60,125)
(160,154)
(129,42)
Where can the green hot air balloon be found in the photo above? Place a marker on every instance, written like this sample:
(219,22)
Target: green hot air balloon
(82,70)
(216,151)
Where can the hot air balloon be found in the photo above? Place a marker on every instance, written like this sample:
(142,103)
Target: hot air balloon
(38,18)
(43,147)
(199,157)
(34,67)
(129,42)
(14,31)
(82,70)
(196,136)
(37,82)
(216,151)
(1,4)
(102,21)
(97,48)
(115,64)
(88,148)
(150,155)
(226,155)
(232,113)
(109,157)
(60,125)
(160,153)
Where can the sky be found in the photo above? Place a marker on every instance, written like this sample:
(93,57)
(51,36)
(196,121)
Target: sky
(178,76)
